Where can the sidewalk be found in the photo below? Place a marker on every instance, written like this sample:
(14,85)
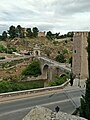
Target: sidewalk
(77,84)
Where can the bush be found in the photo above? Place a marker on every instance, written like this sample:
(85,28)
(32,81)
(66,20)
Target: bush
(66,41)
(58,81)
(33,69)
(60,58)
(83,107)
(2,48)
(6,86)
(2,57)
(11,49)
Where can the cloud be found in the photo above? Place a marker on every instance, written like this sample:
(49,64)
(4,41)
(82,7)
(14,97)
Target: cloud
(54,15)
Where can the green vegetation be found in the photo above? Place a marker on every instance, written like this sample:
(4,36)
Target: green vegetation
(6,86)
(12,63)
(19,32)
(4,35)
(49,35)
(85,100)
(2,57)
(12,32)
(29,33)
(22,32)
(8,50)
(33,69)
(52,36)
(58,81)
(35,32)
(60,58)
(2,49)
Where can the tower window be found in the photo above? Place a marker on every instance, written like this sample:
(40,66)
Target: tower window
(74,51)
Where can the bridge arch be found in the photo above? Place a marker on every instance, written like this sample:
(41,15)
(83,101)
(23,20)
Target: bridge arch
(36,53)
(45,70)
(62,75)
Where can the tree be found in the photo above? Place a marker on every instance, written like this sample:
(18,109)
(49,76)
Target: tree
(57,35)
(49,35)
(0,37)
(85,100)
(12,32)
(35,32)
(19,31)
(4,35)
(29,33)
(60,58)
(70,34)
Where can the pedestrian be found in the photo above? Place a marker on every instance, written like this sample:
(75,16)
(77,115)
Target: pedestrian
(72,77)
(57,109)
(79,80)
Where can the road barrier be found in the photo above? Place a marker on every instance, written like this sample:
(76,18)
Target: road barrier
(32,91)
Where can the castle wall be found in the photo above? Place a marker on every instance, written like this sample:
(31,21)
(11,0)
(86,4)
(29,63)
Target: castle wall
(41,34)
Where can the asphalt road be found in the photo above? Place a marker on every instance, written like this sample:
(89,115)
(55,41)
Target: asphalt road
(67,100)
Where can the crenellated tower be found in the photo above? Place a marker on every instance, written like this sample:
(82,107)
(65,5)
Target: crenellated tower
(80,56)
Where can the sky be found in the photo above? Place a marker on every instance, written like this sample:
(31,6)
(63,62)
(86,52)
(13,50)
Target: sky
(54,15)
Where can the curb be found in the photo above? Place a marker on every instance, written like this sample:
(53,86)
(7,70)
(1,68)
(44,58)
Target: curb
(30,93)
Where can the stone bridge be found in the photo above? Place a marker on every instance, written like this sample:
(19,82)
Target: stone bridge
(50,68)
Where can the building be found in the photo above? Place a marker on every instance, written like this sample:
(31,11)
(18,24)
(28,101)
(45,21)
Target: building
(41,34)
(80,56)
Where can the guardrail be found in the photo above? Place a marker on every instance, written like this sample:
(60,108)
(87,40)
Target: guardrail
(26,92)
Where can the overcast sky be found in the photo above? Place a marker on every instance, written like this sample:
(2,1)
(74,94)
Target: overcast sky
(55,15)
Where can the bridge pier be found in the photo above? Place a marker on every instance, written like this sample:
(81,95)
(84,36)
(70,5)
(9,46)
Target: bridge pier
(46,83)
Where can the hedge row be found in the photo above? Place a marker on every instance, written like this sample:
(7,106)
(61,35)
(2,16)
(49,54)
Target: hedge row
(6,86)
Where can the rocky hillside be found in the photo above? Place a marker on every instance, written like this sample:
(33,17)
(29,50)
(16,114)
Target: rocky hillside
(48,48)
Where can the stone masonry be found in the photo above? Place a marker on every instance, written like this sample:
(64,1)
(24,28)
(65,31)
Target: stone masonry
(41,113)
(80,56)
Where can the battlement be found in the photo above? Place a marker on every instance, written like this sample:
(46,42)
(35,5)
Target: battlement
(80,33)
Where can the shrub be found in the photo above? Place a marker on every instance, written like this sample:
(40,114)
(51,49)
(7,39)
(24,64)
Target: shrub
(58,81)
(33,69)
(6,86)
(11,49)
(2,48)
(2,57)
(66,41)
(60,58)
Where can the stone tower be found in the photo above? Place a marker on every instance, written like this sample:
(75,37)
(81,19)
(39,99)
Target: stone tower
(80,56)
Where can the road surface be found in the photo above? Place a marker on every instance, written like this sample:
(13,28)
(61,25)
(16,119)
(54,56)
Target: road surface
(67,100)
